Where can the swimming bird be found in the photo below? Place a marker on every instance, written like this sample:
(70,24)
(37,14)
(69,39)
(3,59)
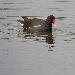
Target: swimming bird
(39,25)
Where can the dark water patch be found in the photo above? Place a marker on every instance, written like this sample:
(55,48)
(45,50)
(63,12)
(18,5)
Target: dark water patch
(71,24)
(73,15)
(0,31)
(59,10)
(19,36)
(7,33)
(25,37)
(5,38)
(9,23)
(8,3)
(62,1)
(12,3)
(19,3)
(71,33)
(12,16)
(68,40)
(24,41)
(10,29)
(54,8)
(73,38)
(29,35)
(29,2)
(27,8)
(9,8)
(2,18)
(42,41)
(36,39)
(4,8)
(50,50)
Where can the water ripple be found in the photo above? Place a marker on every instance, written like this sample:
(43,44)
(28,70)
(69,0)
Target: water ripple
(12,3)
(60,10)
(54,8)
(27,8)
(2,18)
(12,16)
(18,3)
(14,8)
(8,3)
(71,33)
(9,8)
(62,1)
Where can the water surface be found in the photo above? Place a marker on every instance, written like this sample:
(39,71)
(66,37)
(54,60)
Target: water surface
(21,55)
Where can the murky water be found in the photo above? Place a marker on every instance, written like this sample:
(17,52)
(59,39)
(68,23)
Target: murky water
(20,55)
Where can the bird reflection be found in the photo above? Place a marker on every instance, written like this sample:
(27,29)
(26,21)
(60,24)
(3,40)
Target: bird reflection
(50,39)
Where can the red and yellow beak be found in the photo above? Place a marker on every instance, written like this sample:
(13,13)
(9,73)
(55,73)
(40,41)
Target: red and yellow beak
(55,22)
